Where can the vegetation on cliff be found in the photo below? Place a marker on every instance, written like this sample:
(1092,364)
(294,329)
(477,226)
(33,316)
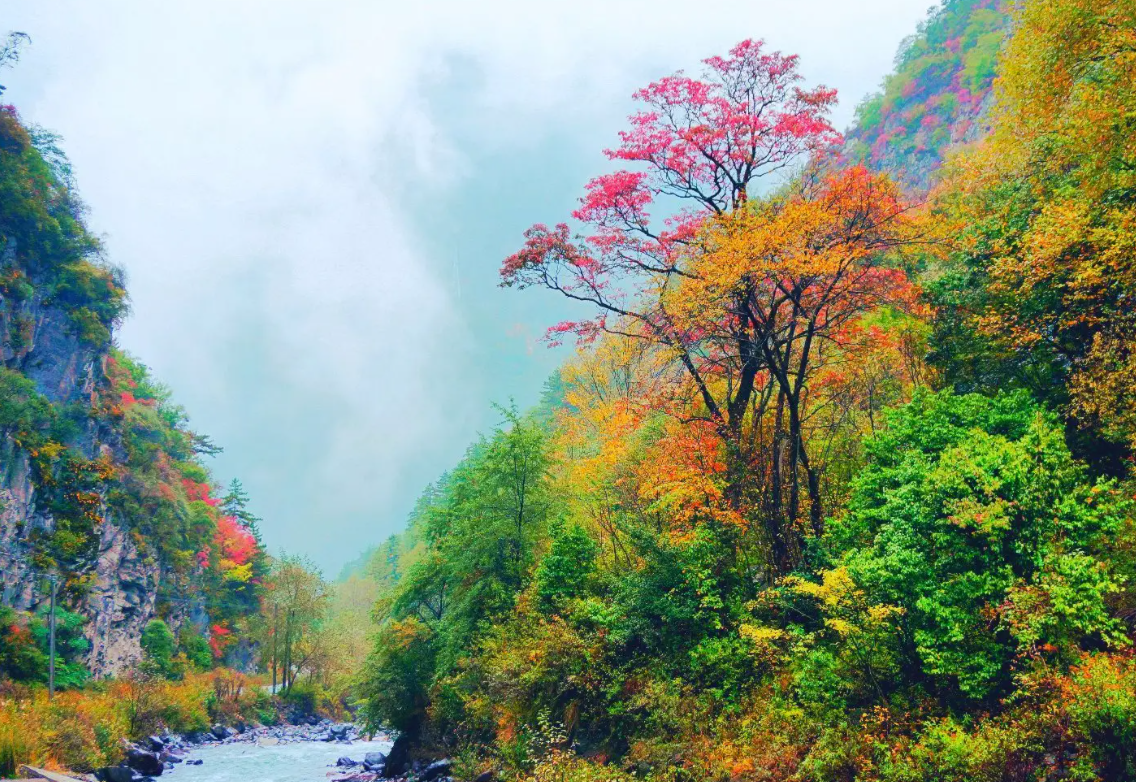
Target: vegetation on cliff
(96,439)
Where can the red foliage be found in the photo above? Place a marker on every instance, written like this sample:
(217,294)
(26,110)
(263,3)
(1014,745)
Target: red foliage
(195,492)
(704,141)
(234,542)
(219,639)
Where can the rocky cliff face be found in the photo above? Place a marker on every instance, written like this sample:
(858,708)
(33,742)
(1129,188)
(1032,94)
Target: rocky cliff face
(101,480)
(121,581)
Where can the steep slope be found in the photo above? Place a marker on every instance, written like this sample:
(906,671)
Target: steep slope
(937,95)
(101,481)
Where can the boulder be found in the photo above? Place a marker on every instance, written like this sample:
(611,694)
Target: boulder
(145,763)
(221,732)
(156,744)
(439,768)
(115,774)
(377,761)
(486,776)
(345,761)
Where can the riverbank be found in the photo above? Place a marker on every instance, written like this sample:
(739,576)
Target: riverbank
(89,729)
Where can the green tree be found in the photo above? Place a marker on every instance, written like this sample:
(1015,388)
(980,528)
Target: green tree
(974,521)
(567,568)
(158,647)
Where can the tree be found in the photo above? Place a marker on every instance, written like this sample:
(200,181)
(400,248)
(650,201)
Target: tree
(736,292)
(295,606)
(988,542)
(158,647)
(235,504)
(568,566)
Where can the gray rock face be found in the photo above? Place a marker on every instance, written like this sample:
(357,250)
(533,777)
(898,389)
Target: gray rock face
(145,763)
(124,578)
(67,370)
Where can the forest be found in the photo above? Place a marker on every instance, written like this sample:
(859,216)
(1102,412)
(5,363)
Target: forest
(837,484)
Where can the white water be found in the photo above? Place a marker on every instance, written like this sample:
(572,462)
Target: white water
(303,761)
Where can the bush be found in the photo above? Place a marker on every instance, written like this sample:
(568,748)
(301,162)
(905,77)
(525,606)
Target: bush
(973,525)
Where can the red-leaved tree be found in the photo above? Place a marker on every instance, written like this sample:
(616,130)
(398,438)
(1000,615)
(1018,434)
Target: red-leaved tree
(699,148)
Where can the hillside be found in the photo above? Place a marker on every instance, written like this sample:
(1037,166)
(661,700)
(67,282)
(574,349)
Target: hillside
(938,95)
(839,486)
(102,483)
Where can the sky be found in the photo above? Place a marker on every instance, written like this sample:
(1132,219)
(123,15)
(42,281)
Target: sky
(311,200)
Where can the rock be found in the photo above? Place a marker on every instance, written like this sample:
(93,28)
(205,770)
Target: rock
(220,732)
(145,763)
(192,737)
(115,774)
(486,776)
(196,762)
(170,757)
(436,769)
(377,761)
(398,759)
(339,731)
(157,744)
(347,762)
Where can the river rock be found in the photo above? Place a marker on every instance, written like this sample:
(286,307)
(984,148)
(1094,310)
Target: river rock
(145,763)
(346,762)
(195,762)
(377,761)
(157,744)
(115,774)
(436,769)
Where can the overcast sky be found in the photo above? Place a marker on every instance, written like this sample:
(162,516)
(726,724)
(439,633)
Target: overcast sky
(311,200)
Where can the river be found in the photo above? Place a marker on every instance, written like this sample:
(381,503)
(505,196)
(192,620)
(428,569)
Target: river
(302,761)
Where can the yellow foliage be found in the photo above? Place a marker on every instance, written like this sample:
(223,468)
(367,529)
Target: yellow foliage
(81,730)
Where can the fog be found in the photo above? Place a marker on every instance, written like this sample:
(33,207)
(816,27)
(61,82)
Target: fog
(311,201)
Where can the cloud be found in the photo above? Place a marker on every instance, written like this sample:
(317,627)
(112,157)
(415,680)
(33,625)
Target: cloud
(311,198)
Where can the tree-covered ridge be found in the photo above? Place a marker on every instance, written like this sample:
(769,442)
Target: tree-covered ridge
(937,95)
(47,254)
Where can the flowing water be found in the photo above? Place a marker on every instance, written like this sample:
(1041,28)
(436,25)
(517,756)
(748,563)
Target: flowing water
(302,761)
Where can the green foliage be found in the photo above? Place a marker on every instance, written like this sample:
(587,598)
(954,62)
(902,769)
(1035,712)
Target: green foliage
(396,681)
(973,520)
(21,658)
(158,646)
(195,648)
(568,567)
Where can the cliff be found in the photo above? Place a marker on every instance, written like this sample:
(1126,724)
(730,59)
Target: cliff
(101,481)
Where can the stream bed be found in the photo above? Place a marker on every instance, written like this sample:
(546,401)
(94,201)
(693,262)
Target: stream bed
(301,761)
